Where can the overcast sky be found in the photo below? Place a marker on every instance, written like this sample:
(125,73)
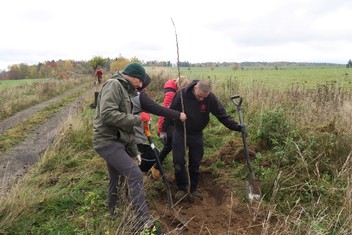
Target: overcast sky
(34,31)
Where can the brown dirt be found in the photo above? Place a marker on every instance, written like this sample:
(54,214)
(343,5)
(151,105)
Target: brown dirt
(220,211)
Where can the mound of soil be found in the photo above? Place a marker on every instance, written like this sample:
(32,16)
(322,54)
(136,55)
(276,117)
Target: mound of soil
(220,212)
(231,151)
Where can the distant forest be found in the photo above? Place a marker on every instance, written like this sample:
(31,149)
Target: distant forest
(65,68)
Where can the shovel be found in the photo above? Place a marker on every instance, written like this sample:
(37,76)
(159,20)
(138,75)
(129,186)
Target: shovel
(252,185)
(175,214)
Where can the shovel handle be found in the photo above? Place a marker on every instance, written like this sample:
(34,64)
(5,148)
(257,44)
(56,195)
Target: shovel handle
(245,145)
(146,129)
(234,98)
(152,145)
(237,100)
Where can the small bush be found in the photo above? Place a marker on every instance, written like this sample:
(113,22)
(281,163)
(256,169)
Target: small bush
(273,130)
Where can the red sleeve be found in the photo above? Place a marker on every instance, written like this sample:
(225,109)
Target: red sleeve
(167,101)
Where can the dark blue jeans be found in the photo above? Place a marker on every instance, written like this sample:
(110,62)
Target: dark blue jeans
(195,155)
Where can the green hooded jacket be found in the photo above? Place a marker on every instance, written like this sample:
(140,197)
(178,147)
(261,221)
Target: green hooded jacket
(113,120)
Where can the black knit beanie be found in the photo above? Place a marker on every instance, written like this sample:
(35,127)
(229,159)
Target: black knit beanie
(135,70)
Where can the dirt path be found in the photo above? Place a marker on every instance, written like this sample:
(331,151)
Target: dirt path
(24,114)
(15,163)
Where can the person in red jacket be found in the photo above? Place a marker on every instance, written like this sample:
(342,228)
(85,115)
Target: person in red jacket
(99,75)
(170,87)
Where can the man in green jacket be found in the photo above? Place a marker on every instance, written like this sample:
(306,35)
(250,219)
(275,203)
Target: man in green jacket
(114,136)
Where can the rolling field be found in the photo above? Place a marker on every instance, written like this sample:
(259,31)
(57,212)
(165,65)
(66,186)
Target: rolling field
(280,78)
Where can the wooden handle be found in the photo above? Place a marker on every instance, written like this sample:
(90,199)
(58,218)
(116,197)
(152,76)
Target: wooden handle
(146,129)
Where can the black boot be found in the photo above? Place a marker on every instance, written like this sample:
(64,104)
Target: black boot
(94,105)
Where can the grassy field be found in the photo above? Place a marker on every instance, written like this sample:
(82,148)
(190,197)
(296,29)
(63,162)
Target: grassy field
(299,120)
(274,78)
(4,84)
(35,91)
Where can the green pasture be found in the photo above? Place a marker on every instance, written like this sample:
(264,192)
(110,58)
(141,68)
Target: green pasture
(274,77)
(13,83)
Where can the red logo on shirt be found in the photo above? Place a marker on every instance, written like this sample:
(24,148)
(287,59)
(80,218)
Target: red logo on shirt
(203,108)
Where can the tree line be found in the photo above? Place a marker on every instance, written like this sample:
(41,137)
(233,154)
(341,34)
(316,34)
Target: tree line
(64,68)
(47,69)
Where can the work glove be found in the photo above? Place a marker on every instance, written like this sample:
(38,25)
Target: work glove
(163,137)
(138,159)
(243,128)
(145,117)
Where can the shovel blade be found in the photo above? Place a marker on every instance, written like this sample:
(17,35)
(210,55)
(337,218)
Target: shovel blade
(182,222)
(253,190)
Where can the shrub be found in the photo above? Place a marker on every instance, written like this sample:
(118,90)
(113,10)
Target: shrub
(273,130)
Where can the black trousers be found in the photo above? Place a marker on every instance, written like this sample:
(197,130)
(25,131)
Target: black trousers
(195,155)
(165,150)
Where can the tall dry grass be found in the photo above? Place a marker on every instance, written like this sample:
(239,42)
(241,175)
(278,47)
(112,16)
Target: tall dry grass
(314,184)
(308,183)
(15,99)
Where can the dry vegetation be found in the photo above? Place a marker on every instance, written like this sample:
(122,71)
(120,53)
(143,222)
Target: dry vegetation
(302,144)
(15,99)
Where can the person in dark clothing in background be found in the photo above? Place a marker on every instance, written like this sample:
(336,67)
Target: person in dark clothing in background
(98,75)
(198,102)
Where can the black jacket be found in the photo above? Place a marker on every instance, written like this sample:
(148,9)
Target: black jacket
(142,102)
(198,111)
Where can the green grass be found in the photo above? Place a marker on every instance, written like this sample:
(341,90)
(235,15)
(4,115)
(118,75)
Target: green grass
(36,91)
(13,83)
(270,77)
